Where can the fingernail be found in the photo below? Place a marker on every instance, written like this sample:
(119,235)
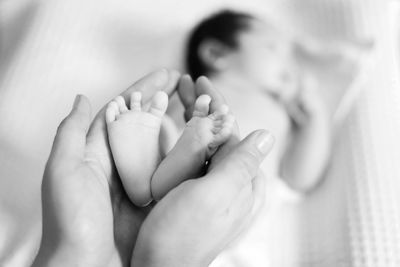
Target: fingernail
(265,142)
(202,79)
(76,101)
(187,77)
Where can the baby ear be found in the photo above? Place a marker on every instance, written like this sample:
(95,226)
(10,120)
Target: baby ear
(214,54)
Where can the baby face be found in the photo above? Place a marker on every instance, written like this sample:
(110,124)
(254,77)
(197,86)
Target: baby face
(265,57)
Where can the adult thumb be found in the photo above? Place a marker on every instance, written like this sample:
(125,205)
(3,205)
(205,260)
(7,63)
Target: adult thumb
(70,140)
(242,164)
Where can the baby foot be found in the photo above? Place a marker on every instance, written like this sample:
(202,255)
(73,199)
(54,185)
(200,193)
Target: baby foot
(201,138)
(134,140)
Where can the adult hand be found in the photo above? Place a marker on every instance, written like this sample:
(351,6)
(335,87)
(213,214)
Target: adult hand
(88,219)
(195,221)
(192,224)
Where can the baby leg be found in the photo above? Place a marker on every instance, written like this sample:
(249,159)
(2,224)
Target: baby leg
(202,136)
(134,140)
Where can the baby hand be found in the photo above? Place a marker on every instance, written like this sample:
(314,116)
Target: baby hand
(307,106)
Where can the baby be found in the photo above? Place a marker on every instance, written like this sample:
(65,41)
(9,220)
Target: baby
(253,64)
(134,133)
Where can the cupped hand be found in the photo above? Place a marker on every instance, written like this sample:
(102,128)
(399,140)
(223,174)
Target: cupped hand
(88,219)
(194,222)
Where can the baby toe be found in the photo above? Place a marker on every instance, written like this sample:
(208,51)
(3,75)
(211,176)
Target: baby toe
(112,112)
(136,101)
(228,120)
(159,104)
(223,129)
(202,106)
(222,136)
(121,104)
(220,112)
(218,123)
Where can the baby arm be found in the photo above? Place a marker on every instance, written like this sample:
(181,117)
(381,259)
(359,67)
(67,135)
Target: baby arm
(308,154)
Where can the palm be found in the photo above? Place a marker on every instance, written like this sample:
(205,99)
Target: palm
(84,204)
(95,196)
(80,209)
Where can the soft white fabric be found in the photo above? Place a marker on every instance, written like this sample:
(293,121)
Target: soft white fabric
(367,151)
(52,50)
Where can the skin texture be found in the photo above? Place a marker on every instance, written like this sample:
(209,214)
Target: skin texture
(81,160)
(202,136)
(218,218)
(88,219)
(213,209)
(134,140)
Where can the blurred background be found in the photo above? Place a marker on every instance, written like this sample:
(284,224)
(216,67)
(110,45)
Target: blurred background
(52,50)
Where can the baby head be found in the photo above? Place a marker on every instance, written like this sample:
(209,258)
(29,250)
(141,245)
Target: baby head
(231,43)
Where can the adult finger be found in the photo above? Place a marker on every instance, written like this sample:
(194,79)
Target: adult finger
(70,140)
(205,87)
(258,185)
(187,95)
(160,80)
(242,204)
(186,91)
(240,209)
(242,164)
(249,200)
(189,91)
